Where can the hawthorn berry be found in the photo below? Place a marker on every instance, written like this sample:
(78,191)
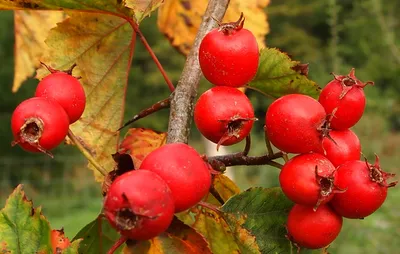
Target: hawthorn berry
(224,115)
(229,55)
(309,179)
(293,123)
(39,125)
(366,188)
(313,229)
(139,204)
(341,146)
(66,90)
(185,172)
(344,99)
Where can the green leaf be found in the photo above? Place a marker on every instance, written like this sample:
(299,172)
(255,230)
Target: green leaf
(263,212)
(97,237)
(178,239)
(223,237)
(73,248)
(142,8)
(23,229)
(102,47)
(278,75)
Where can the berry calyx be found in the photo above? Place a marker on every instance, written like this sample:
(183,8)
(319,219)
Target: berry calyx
(230,27)
(344,99)
(65,89)
(229,55)
(183,169)
(366,188)
(309,179)
(139,204)
(39,125)
(224,115)
(313,229)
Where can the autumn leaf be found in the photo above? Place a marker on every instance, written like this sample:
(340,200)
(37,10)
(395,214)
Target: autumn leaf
(279,75)
(142,8)
(139,142)
(263,212)
(31,29)
(179,239)
(97,237)
(113,6)
(179,20)
(102,47)
(225,187)
(223,237)
(23,229)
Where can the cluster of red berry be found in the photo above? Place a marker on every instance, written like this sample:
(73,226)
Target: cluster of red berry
(228,57)
(327,180)
(41,123)
(141,203)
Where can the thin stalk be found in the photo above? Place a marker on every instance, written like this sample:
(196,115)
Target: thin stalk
(86,153)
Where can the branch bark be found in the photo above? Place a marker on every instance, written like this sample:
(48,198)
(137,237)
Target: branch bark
(182,103)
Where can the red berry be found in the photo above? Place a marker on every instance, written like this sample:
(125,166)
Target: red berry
(185,172)
(293,123)
(344,98)
(139,204)
(366,189)
(229,55)
(342,146)
(59,241)
(39,125)
(313,230)
(224,115)
(308,179)
(66,90)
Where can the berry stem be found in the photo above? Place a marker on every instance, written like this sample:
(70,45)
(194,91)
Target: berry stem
(182,103)
(152,109)
(117,244)
(285,157)
(209,206)
(275,164)
(153,56)
(216,195)
(267,142)
(86,153)
(248,146)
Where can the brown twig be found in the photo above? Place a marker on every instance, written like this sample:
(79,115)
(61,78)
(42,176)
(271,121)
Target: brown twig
(236,159)
(186,91)
(148,111)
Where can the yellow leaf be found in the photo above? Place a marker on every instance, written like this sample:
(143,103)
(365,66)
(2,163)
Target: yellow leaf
(102,47)
(142,8)
(139,142)
(31,29)
(225,187)
(179,20)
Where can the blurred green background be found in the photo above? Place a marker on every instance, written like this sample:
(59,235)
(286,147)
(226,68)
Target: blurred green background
(330,35)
